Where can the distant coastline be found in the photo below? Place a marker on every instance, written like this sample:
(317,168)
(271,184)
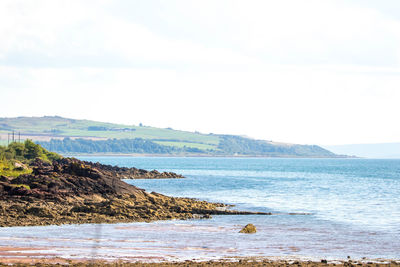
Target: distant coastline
(198,156)
(76,137)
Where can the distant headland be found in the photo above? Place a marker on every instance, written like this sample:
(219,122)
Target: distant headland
(71,136)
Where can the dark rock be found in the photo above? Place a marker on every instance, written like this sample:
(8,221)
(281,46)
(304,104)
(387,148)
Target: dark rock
(132,173)
(4,178)
(74,191)
(40,212)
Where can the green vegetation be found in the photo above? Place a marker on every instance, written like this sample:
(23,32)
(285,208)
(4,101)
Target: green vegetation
(137,145)
(84,136)
(185,144)
(7,168)
(25,152)
(238,145)
(229,145)
(54,126)
(15,157)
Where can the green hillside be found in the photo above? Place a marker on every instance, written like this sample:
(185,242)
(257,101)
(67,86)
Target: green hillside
(45,128)
(84,136)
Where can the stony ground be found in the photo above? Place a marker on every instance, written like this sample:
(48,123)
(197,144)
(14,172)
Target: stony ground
(124,208)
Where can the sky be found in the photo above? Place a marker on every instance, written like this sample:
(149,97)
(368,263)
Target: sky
(308,72)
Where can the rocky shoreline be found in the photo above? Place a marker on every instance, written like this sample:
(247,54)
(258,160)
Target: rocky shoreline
(132,173)
(70,191)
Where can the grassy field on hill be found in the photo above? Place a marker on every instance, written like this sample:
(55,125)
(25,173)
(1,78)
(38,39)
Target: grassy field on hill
(45,128)
(65,135)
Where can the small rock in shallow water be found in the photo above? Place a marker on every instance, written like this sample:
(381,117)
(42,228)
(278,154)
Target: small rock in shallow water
(202,216)
(248,229)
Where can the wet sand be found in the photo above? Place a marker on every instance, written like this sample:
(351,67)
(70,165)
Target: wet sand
(27,256)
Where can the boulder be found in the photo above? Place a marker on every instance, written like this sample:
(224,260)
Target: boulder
(248,229)
(19,166)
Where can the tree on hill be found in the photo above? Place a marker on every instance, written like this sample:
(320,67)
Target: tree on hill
(16,157)
(136,145)
(33,150)
(26,151)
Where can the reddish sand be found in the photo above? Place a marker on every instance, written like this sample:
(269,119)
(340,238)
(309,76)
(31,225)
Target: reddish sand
(22,255)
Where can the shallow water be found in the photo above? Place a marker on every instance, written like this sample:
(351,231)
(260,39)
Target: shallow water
(354,206)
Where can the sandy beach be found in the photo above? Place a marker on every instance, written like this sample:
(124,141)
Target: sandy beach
(23,256)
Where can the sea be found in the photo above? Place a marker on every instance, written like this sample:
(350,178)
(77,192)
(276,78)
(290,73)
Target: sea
(321,209)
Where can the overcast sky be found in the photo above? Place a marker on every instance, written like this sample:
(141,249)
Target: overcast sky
(309,72)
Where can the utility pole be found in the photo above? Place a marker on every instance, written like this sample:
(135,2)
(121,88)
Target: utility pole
(13,136)
(19,137)
(8,139)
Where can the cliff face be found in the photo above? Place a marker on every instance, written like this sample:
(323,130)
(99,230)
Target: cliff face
(73,191)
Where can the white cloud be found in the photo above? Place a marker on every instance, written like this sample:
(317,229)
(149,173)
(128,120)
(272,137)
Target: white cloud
(72,33)
(288,31)
(88,33)
(322,72)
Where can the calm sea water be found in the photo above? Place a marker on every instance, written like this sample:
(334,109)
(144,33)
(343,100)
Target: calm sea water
(354,207)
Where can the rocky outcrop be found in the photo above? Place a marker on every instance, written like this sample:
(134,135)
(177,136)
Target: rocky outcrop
(73,191)
(97,209)
(133,173)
